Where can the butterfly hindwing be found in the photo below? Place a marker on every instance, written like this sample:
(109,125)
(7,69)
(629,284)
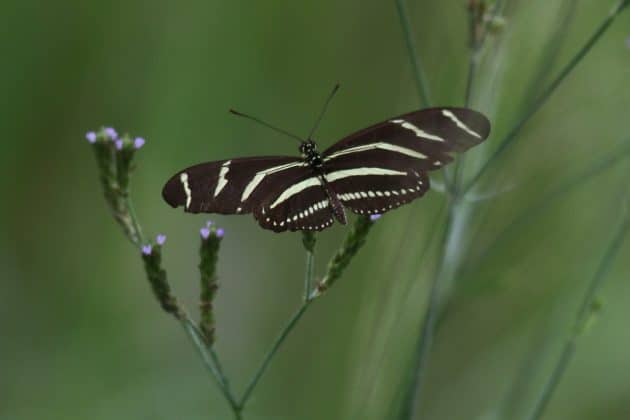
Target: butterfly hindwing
(371,194)
(235,186)
(302,205)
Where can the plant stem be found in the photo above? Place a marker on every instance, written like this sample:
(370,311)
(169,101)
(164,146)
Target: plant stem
(473,61)
(425,339)
(272,352)
(134,221)
(208,357)
(207,353)
(308,240)
(542,99)
(419,76)
(582,318)
(308,275)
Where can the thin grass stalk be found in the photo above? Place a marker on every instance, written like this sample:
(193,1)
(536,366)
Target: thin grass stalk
(551,51)
(581,320)
(478,34)
(420,260)
(512,135)
(603,164)
(412,404)
(420,78)
(412,401)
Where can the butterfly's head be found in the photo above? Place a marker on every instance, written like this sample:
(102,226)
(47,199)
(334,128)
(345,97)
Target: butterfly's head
(309,152)
(307,148)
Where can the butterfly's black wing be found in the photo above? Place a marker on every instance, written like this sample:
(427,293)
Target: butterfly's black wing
(385,166)
(301,205)
(371,171)
(234,186)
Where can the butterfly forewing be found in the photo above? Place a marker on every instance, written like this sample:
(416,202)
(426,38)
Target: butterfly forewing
(385,166)
(232,186)
(428,136)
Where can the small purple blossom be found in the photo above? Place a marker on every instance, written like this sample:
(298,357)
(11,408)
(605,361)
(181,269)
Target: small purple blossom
(220,233)
(111,133)
(205,232)
(147,249)
(91,137)
(138,142)
(209,223)
(375,217)
(119,144)
(160,239)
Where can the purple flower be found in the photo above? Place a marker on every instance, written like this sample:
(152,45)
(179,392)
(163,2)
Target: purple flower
(119,144)
(91,137)
(147,249)
(205,232)
(209,223)
(220,233)
(160,239)
(375,217)
(138,142)
(111,133)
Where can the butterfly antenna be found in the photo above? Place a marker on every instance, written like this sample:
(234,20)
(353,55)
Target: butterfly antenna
(321,115)
(259,121)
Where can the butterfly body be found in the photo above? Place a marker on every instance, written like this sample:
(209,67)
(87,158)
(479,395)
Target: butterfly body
(315,161)
(371,171)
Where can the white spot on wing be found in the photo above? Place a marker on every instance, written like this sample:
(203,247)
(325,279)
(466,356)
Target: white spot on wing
(344,173)
(184,180)
(295,189)
(257,179)
(378,145)
(417,131)
(448,114)
(225,168)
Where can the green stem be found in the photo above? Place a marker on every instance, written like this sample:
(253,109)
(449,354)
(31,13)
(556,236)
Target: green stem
(308,274)
(419,262)
(473,61)
(134,221)
(420,79)
(583,315)
(427,329)
(208,357)
(511,136)
(272,352)
(308,240)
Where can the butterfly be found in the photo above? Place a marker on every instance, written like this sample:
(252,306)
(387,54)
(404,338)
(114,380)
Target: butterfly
(371,171)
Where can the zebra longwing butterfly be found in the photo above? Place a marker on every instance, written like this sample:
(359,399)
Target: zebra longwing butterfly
(371,171)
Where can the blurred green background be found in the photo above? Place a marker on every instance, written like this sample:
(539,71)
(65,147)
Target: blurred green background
(80,333)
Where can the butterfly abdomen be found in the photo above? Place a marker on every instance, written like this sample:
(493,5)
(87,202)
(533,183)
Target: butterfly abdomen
(335,204)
